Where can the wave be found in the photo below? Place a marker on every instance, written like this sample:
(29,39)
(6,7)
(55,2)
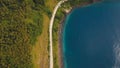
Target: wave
(116,51)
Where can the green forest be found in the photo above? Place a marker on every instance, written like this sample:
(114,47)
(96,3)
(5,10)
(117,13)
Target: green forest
(20,24)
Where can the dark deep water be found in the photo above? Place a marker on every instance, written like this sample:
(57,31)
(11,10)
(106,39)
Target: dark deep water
(91,36)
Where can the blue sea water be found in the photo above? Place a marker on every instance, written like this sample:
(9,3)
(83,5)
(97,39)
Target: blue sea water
(91,36)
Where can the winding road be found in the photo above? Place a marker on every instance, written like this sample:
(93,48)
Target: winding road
(50,31)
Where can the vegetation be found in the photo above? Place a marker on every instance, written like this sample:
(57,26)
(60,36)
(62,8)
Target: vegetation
(13,52)
(56,26)
(78,2)
(20,24)
(40,51)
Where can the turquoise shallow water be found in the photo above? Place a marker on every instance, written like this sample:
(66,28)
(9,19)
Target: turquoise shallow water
(91,36)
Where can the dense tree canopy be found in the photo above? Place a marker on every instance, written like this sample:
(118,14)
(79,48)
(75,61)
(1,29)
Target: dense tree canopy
(20,24)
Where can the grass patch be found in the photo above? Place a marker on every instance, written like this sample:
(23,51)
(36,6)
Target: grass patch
(40,49)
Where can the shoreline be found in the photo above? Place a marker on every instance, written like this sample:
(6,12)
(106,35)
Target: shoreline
(60,45)
(60,32)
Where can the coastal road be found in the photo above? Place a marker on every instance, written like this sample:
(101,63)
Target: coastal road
(50,31)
